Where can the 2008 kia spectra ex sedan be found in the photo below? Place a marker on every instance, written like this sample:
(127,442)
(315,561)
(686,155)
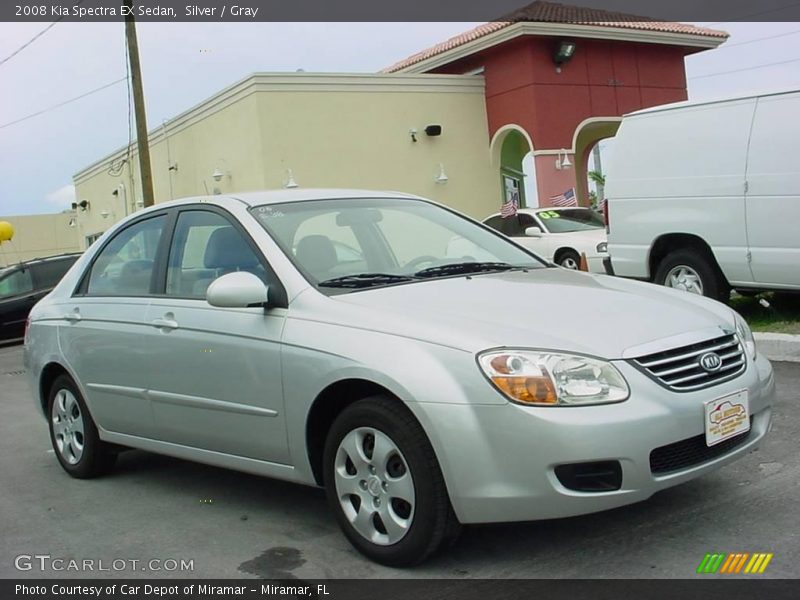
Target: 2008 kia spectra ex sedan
(335,338)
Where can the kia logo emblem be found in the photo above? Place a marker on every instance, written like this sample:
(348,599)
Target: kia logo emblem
(710,361)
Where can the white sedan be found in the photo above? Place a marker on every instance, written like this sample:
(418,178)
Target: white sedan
(560,235)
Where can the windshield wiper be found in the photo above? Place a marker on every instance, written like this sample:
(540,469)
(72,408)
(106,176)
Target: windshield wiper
(465,267)
(362,280)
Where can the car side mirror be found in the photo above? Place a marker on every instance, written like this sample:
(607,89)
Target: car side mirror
(533,231)
(237,290)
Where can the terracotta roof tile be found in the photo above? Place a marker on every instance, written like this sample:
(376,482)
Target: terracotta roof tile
(551,12)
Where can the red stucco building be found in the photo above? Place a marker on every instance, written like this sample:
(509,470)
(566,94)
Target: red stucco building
(556,106)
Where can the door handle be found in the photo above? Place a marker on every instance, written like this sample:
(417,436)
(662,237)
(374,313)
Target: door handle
(74,316)
(165,323)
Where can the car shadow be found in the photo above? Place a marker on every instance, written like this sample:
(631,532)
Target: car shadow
(554,540)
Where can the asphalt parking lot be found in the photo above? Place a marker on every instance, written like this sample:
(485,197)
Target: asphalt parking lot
(235,525)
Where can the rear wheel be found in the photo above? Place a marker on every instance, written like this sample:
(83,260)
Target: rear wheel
(693,272)
(73,433)
(384,484)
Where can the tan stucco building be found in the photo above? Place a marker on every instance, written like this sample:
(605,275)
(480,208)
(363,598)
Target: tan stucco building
(38,236)
(322,130)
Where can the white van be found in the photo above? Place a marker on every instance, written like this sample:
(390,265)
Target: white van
(706,196)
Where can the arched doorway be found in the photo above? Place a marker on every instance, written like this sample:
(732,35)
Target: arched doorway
(512,156)
(587,135)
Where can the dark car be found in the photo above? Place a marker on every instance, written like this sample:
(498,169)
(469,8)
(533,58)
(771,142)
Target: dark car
(23,285)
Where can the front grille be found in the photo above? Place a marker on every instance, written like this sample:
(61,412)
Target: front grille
(679,369)
(691,452)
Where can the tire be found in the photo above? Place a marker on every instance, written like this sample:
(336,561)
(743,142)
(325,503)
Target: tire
(693,272)
(76,444)
(569,259)
(420,517)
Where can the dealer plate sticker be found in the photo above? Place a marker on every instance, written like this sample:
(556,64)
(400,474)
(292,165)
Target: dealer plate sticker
(726,417)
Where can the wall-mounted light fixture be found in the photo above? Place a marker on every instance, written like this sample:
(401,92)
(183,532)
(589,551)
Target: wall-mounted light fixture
(562,160)
(413,133)
(442,177)
(173,167)
(104,214)
(83,205)
(217,174)
(565,50)
(72,222)
(290,183)
(433,130)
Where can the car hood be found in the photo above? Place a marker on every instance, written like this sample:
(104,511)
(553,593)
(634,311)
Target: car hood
(549,308)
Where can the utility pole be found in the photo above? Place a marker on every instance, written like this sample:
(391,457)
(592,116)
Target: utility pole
(142,142)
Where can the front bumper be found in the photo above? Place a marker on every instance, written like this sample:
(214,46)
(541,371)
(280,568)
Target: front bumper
(499,461)
(608,268)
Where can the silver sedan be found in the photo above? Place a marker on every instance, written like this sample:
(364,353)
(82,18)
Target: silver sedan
(424,369)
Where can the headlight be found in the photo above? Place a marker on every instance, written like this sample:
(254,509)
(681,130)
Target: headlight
(550,379)
(743,329)
(602,247)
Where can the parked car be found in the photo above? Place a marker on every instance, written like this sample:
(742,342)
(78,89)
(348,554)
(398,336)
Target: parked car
(22,285)
(705,196)
(409,388)
(560,235)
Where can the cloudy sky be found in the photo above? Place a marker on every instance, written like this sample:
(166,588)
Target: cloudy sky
(183,63)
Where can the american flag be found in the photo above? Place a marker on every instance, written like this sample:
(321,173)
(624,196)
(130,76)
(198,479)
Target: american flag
(565,199)
(509,209)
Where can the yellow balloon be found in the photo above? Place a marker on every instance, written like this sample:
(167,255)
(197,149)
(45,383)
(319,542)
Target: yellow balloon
(6,231)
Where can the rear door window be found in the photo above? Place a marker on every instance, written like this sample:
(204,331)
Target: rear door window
(125,265)
(16,283)
(48,273)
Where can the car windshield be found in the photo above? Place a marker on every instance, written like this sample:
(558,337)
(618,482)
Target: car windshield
(566,220)
(359,243)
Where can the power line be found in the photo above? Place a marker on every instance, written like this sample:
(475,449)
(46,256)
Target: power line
(36,37)
(60,104)
(29,42)
(762,39)
(773,64)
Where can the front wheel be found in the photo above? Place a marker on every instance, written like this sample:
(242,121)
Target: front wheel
(384,484)
(73,433)
(692,272)
(570,260)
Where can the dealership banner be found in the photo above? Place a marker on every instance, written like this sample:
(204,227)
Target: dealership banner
(376,10)
(396,589)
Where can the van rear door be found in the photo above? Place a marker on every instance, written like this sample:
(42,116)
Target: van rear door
(772,202)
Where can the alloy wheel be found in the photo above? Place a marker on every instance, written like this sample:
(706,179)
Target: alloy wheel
(685,278)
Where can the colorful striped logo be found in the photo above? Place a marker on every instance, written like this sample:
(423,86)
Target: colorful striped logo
(736,563)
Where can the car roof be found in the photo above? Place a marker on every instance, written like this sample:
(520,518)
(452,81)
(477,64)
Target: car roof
(41,259)
(259,198)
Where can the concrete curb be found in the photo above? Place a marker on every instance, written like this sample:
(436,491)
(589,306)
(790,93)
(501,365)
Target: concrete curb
(781,347)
